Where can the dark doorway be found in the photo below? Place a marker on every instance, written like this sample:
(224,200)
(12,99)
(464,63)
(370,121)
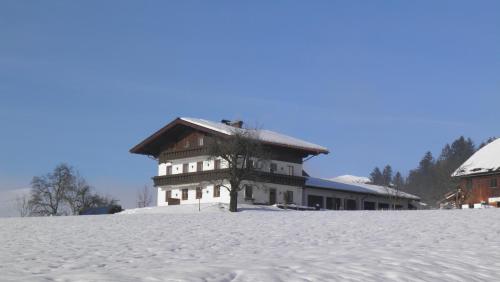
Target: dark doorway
(332,203)
(369,206)
(313,201)
(329,203)
(272,196)
(382,206)
(350,205)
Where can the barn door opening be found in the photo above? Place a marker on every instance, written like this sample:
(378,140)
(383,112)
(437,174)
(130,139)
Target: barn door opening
(272,196)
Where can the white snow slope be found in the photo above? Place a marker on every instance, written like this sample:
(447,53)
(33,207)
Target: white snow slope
(254,245)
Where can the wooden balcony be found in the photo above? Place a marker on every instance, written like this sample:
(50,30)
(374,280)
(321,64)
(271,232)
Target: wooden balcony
(182,154)
(219,174)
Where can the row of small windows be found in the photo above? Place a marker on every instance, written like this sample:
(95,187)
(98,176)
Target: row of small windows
(217,165)
(199,167)
(248,192)
(199,193)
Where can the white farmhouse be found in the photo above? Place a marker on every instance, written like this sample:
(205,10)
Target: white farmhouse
(186,172)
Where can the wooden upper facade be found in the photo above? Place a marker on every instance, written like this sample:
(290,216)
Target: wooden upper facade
(183,136)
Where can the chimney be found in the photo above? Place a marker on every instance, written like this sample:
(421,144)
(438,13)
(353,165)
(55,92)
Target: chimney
(234,123)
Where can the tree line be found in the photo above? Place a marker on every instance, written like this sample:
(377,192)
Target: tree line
(431,179)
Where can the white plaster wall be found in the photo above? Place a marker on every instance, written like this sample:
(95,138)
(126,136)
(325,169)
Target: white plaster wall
(260,194)
(177,165)
(261,191)
(207,194)
(208,164)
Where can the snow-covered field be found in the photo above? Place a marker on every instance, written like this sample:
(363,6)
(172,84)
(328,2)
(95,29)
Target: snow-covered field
(254,245)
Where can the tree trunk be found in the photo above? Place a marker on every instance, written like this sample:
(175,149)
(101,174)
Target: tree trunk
(233,201)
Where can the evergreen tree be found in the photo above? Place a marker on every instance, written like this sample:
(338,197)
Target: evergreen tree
(376,177)
(387,176)
(398,181)
(431,180)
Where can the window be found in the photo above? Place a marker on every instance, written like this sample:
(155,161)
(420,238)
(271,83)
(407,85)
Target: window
(199,166)
(290,170)
(493,183)
(200,141)
(216,191)
(168,195)
(187,144)
(289,197)
(248,192)
(274,167)
(169,169)
(217,164)
(184,194)
(185,168)
(199,192)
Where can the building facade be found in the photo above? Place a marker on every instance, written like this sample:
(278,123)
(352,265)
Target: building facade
(480,177)
(344,195)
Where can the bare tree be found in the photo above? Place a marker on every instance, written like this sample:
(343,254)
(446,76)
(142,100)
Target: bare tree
(64,192)
(144,197)
(48,192)
(23,205)
(244,155)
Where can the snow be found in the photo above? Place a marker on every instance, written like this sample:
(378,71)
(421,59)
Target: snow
(194,208)
(356,187)
(487,159)
(254,245)
(262,134)
(352,179)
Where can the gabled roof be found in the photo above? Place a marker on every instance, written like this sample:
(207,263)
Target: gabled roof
(266,136)
(357,188)
(485,160)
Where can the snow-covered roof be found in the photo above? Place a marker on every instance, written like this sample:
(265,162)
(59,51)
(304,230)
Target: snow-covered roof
(356,187)
(262,134)
(486,160)
(351,179)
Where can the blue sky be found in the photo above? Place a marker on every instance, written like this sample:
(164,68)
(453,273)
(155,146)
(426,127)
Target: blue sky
(377,82)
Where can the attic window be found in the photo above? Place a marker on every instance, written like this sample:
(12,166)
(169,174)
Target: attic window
(200,141)
(493,183)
